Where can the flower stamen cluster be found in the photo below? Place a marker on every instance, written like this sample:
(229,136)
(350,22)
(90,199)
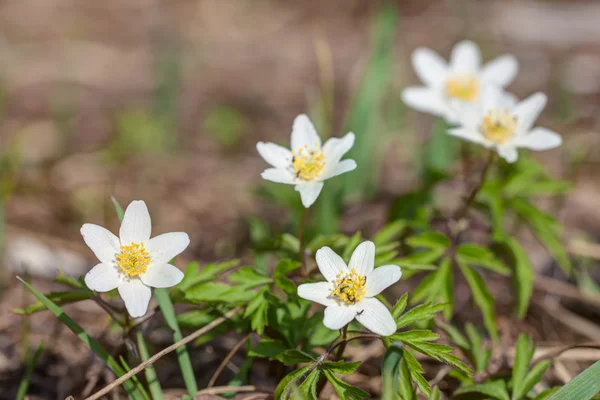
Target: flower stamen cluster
(463,87)
(349,287)
(499,125)
(133,259)
(308,163)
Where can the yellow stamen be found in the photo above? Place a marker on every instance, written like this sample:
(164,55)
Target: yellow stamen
(349,287)
(498,126)
(308,163)
(464,87)
(133,259)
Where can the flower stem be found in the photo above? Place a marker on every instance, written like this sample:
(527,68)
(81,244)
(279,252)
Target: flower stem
(344,337)
(462,212)
(302,251)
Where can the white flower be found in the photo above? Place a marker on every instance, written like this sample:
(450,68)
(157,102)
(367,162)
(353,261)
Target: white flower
(462,79)
(133,262)
(308,164)
(503,125)
(350,291)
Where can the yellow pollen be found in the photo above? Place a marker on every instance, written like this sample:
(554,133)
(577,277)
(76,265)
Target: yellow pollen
(464,87)
(133,259)
(498,126)
(308,163)
(349,287)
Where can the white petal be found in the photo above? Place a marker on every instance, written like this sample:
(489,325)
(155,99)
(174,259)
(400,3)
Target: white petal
(429,66)
(317,292)
(329,263)
(363,258)
(304,133)
(336,317)
(276,155)
(492,98)
(538,139)
(136,296)
(375,316)
(500,71)
(309,191)
(161,275)
(136,225)
(465,58)
(103,242)
(381,278)
(424,99)
(466,114)
(509,153)
(338,169)
(467,134)
(528,111)
(278,175)
(335,148)
(103,278)
(167,246)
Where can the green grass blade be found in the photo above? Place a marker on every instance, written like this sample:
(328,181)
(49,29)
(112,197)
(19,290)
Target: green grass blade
(166,307)
(118,208)
(583,387)
(24,384)
(151,378)
(133,391)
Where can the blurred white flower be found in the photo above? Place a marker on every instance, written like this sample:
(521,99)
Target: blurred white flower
(463,79)
(133,263)
(500,123)
(308,164)
(350,291)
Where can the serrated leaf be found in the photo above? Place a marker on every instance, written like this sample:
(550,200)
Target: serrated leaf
(268,348)
(482,298)
(455,335)
(389,233)
(523,354)
(494,389)
(583,387)
(283,268)
(429,240)
(435,394)
(479,356)
(439,352)
(475,255)
(194,276)
(415,335)
(219,293)
(309,387)
(343,389)
(249,277)
(533,377)
(422,312)
(524,275)
(400,305)
(416,372)
(288,383)
(405,383)
(341,367)
(293,357)
(391,371)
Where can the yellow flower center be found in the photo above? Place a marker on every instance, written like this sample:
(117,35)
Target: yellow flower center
(133,259)
(464,87)
(308,163)
(349,287)
(498,126)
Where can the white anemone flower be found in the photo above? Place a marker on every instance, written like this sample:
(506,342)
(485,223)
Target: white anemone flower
(501,124)
(350,291)
(308,164)
(462,79)
(132,262)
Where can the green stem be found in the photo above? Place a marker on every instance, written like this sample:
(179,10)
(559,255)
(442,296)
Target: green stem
(301,240)
(151,377)
(462,212)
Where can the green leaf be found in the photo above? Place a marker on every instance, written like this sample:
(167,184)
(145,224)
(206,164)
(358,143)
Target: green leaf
(391,371)
(482,298)
(118,208)
(249,277)
(476,255)
(351,246)
(445,283)
(416,335)
(438,352)
(194,276)
(258,309)
(457,338)
(343,389)
(533,377)
(404,382)
(268,348)
(133,391)
(342,367)
(400,306)
(309,387)
(70,281)
(288,383)
(547,393)
(429,240)
(493,389)
(293,357)
(416,372)
(479,356)
(58,298)
(422,312)
(524,275)
(219,293)
(24,384)
(149,371)
(389,233)
(183,357)
(523,355)
(284,283)
(583,387)
(435,394)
